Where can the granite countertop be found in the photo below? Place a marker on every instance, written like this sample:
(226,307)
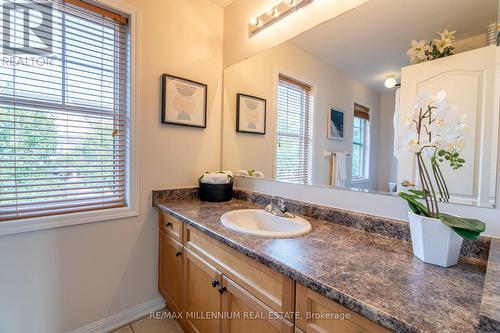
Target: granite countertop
(490,306)
(376,276)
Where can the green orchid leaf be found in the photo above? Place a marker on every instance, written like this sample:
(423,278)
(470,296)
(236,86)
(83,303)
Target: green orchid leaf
(416,207)
(464,223)
(467,234)
(418,193)
(466,228)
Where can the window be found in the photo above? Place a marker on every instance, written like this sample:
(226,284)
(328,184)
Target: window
(360,143)
(64,122)
(294,132)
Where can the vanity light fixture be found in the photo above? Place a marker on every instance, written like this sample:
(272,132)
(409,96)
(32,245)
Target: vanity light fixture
(390,81)
(273,14)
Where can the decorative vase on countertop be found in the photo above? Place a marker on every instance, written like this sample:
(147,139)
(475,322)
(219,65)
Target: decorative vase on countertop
(433,241)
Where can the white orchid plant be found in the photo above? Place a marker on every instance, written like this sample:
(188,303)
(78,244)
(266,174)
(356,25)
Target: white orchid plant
(424,50)
(437,132)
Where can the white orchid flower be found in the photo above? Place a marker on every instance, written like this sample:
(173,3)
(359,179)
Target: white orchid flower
(460,143)
(439,142)
(408,141)
(413,146)
(418,51)
(442,44)
(448,35)
(425,99)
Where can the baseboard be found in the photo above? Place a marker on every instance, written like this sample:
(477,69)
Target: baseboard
(122,318)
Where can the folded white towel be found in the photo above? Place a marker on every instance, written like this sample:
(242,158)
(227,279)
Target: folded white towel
(341,164)
(258,174)
(241,173)
(215,178)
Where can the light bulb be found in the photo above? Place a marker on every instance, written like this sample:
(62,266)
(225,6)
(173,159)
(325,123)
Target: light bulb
(254,21)
(390,82)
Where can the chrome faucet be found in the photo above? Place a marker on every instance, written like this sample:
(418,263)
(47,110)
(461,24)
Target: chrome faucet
(279,209)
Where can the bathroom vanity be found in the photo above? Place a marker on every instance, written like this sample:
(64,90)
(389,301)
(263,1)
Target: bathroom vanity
(337,278)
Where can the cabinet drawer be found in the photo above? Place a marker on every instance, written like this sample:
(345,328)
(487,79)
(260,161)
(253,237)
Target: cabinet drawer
(318,314)
(172,226)
(270,287)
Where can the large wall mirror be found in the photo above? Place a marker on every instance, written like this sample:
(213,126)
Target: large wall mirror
(329,106)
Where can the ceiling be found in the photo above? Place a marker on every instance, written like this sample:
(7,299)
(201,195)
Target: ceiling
(223,3)
(371,41)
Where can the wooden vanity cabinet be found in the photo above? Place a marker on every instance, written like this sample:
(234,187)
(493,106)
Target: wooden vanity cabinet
(170,267)
(220,290)
(318,314)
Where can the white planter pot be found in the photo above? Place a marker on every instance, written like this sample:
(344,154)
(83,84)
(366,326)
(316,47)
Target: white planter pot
(433,241)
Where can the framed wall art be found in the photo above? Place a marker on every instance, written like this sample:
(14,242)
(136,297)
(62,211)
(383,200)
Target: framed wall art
(336,124)
(184,102)
(250,114)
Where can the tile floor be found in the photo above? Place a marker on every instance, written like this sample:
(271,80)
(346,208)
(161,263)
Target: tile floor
(147,325)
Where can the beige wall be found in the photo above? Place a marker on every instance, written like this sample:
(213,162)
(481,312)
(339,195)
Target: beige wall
(61,279)
(387,163)
(257,76)
(237,43)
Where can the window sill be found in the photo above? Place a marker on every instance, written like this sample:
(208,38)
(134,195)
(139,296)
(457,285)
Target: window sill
(360,180)
(64,220)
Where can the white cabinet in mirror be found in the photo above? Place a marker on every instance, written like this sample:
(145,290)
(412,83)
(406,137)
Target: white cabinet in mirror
(332,121)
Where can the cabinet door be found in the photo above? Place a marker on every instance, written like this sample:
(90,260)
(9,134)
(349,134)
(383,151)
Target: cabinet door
(317,314)
(170,271)
(244,313)
(202,298)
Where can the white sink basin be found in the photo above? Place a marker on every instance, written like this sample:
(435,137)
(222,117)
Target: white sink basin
(261,223)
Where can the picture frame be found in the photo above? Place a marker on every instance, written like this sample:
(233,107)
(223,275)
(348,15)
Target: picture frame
(184,102)
(336,119)
(250,114)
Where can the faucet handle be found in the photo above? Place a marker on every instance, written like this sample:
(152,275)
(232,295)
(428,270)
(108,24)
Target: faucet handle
(281,204)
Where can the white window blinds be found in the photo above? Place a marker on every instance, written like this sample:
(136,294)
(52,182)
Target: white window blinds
(294,132)
(63,124)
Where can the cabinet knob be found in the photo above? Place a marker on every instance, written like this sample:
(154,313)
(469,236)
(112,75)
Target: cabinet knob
(215,283)
(178,253)
(222,289)
(170,225)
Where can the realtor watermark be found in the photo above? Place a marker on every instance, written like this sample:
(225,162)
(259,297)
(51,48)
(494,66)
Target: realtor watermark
(27,33)
(250,315)
(27,27)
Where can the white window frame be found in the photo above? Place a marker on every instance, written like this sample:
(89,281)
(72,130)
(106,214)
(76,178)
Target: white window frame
(314,91)
(365,151)
(133,186)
